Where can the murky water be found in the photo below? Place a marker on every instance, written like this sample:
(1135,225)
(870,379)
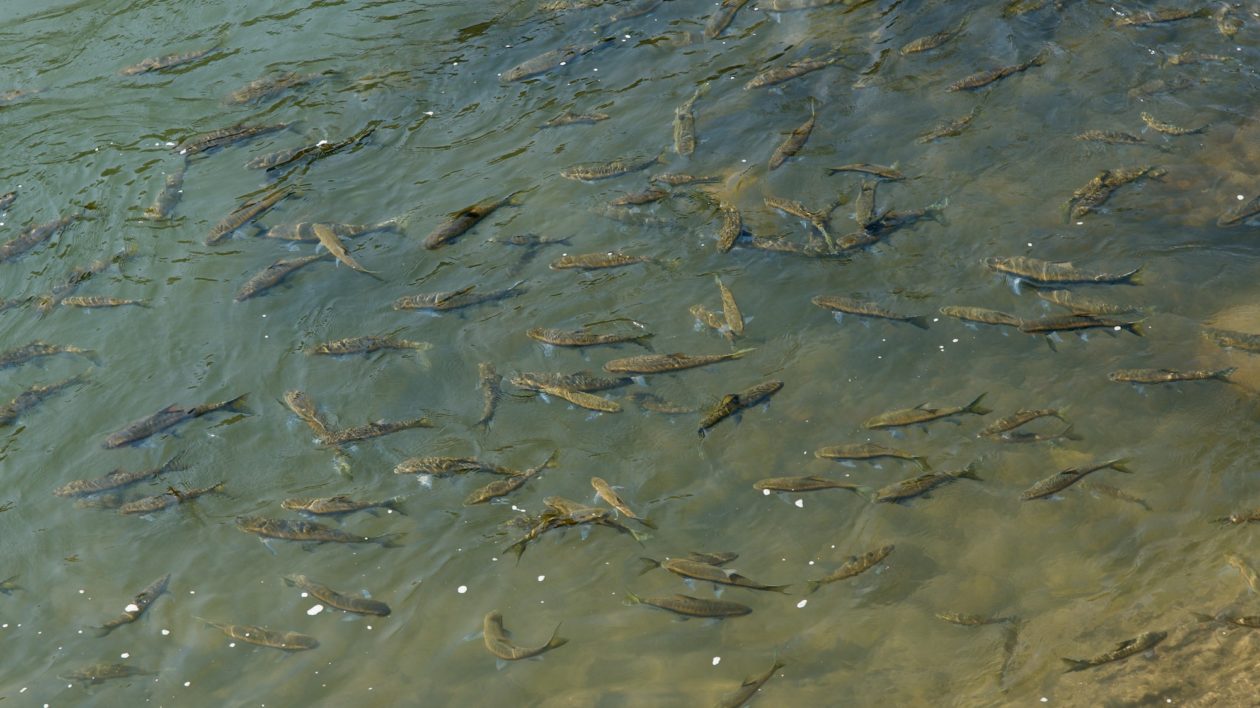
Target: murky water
(1081,570)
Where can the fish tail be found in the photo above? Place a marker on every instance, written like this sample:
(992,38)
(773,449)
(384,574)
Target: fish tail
(922,463)
(1224,374)
(1069,433)
(640,537)
(1121,465)
(1075,664)
(103,631)
(632,599)
(237,404)
(91,355)
(921,321)
(648,523)
(1134,277)
(177,463)
(648,564)
(778,588)
(395,505)
(1203,617)
(556,640)
(969,472)
(812,586)
(1136,328)
(976,408)
(739,353)
(389,540)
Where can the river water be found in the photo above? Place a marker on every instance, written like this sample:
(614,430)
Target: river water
(1081,570)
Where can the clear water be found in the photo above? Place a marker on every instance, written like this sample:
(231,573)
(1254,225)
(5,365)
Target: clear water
(1083,571)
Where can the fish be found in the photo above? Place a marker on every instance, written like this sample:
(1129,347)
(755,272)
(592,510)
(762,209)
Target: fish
(692,606)
(1240,517)
(564,512)
(733,403)
(931,41)
(168,417)
(168,197)
(981,315)
(888,173)
(499,641)
(706,572)
(921,485)
(647,196)
(1099,189)
(243,215)
(100,673)
(722,18)
(605,491)
(374,429)
(1023,416)
(949,129)
(1240,213)
(79,275)
(308,531)
(750,687)
(329,240)
(1248,573)
(816,219)
(1168,128)
(1155,17)
(590,171)
(1066,478)
(866,309)
(268,86)
(119,478)
(171,497)
(812,483)
(790,5)
(984,78)
(922,414)
(340,504)
(506,486)
(1112,137)
(1224,338)
(662,363)
(1226,23)
(1072,323)
(273,274)
(1183,58)
(33,396)
(1039,272)
(1114,493)
(459,222)
(794,141)
(304,408)
(571,118)
(856,565)
(730,309)
(1021,436)
(796,69)
(332,598)
(581,381)
(1082,305)
(581,399)
(489,381)
(137,606)
(969,620)
(162,63)
(555,58)
(1125,649)
(445,466)
(868,451)
(34,235)
(685,123)
(596,261)
(582,337)
(1251,621)
(7,199)
(9,584)
(1153,376)
(223,137)
(676,179)
(89,301)
(37,350)
(706,317)
(310,153)
(305,231)
(366,345)
(263,637)
(654,403)
(456,299)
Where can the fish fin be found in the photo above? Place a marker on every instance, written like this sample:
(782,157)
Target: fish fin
(556,640)
(648,523)
(969,472)
(812,586)
(648,564)
(1136,328)
(1134,277)
(778,588)
(395,504)
(103,631)
(1120,465)
(1224,374)
(976,408)
(922,463)
(739,353)
(238,404)
(389,540)
(1075,664)
(632,599)
(1069,433)
(921,322)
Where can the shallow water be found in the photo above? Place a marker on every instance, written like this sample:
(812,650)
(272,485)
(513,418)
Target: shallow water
(1082,571)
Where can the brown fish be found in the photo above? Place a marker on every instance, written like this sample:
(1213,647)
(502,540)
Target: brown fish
(375,430)
(268,86)
(100,673)
(705,572)
(596,261)
(722,18)
(654,403)
(1066,478)
(730,309)
(921,485)
(605,491)
(931,41)
(137,606)
(1155,17)
(329,240)
(1154,376)
(547,61)
(731,404)
(591,171)
(1240,213)
(981,315)
(1125,649)
(868,451)
(1039,272)
(582,337)
(173,496)
(1111,137)
(732,226)
(455,299)
(34,235)
(288,641)
(571,118)
(164,203)
(949,129)
(118,478)
(1083,305)
(685,123)
(1075,323)
(1224,338)
(499,642)
(647,196)
(304,408)
(33,396)
(91,301)
(750,687)
(581,381)
(459,222)
(794,142)
(581,399)
(888,173)
(309,153)
(661,363)
(332,598)
(168,417)
(1168,128)
(224,137)
(446,466)
(692,606)
(845,305)
(246,213)
(37,350)
(366,345)
(489,381)
(503,487)
(856,565)
(162,63)
(307,531)
(1020,417)
(273,274)
(305,231)
(1100,188)
(922,414)
(340,505)
(812,483)
(984,78)
(796,69)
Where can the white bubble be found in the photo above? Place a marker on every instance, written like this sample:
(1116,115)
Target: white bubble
(304,594)
(542,578)
(717,660)
(133,607)
(802,603)
(187,684)
(315,609)
(166,632)
(765,492)
(461,589)
(124,655)
(800,503)
(81,591)
(1241,197)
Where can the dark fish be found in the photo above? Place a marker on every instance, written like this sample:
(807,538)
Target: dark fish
(246,213)
(1074,323)
(1099,189)
(844,305)
(1240,517)
(1021,436)
(490,383)
(1039,272)
(340,505)
(269,86)
(164,203)
(288,641)
(581,381)
(856,565)
(90,301)
(984,78)
(1109,136)
(332,598)
(366,345)
(722,18)
(981,315)
(503,487)
(1224,338)
(547,61)
(272,275)
(1154,376)
(733,403)
(170,61)
(32,236)
(100,673)
(308,531)
(167,417)
(1127,648)
(590,171)
(1168,128)
(117,479)
(794,141)
(791,5)
(654,403)
(446,466)
(1066,478)
(1082,305)
(458,222)
(676,179)
(33,396)
(685,123)
(374,430)
(1251,621)
(661,363)
(647,196)
(966,620)
(571,118)
(173,496)
(1240,213)
(499,642)
(305,231)
(310,153)
(812,483)
(137,606)
(582,337)
(304,408)
(706,572)
(889,173)
(7,199)
(732,226)
(455,299)
(909,488)
(922,414)
(867,451)
(1020,417)
(692,606)
(750,687)
(38,349)
(949,129)
(1155,17)
(223,137)
(796,69)
(598,261)
(931,41)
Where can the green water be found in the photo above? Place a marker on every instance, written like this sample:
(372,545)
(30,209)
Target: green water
(1081,570)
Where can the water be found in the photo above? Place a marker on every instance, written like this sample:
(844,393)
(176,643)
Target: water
(1083,571)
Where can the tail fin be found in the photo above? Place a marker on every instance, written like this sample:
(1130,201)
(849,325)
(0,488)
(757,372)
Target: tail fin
(648,564)
(1069,433)
(556,640)
(778,588)
(976,408)
(1134,277)
(812,586)
(1224,374)
(103,630)
(237,404)
(395,505)
(648,523)
(1135,327)
(969,472)
(922,463)
(740,353)
(1075,664)
(632,599)
(177,463)
(389,540)
(1120,465)
(921,322)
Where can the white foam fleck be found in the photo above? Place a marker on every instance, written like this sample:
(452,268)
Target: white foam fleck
(1241,197)
(802,603)
(461,589)
(800,503)
(315,609)
(133,607)
(187,684)
(717,660)
(542,578)
(765,492)
(166,633)
(124,655)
